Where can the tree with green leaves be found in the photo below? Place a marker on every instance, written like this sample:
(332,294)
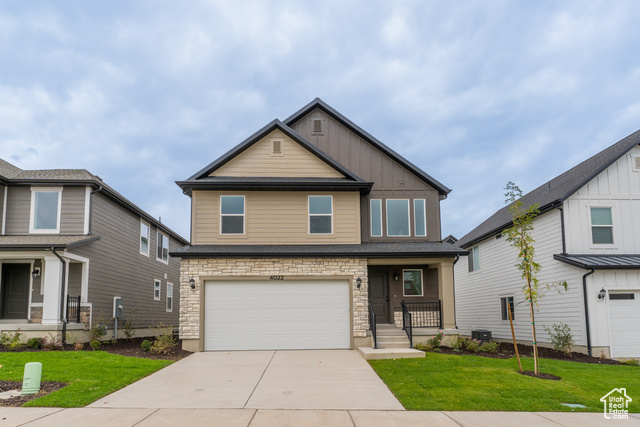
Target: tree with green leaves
(520,235)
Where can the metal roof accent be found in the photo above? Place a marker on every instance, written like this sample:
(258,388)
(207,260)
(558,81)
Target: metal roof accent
(275,184)
(319,103)
(601,262)
(556,191)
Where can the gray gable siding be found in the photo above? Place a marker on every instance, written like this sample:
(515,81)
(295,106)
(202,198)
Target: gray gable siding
(2,191)
(72,210)
(18,208)
(391,180)
(118,269)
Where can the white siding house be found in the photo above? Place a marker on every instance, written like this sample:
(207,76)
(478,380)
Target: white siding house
(588,234)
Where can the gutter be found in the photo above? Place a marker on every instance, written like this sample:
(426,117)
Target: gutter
(586,308)
(62,292)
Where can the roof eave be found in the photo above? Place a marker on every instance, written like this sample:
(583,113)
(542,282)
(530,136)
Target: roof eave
(188,186)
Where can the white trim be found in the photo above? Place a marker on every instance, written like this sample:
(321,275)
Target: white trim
(371,218)
(273,144)
(159,283)
(476,268)
(4,210)
(635,163)
(421,282)
(309,214)
(591,226)
(244,213)
(142,221)
(34,190)
(408,218)
(168,297)
(87,209)
(415,218)
(158,234)
(514,307)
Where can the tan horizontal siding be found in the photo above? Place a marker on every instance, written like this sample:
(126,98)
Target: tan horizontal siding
(276,218)
(258,161)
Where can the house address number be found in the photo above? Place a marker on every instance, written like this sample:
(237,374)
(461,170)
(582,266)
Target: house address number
(276,277)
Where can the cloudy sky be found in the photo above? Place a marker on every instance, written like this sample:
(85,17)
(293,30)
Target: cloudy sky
(476,93)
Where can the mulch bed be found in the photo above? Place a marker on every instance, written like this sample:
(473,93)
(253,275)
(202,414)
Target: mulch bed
(541,375)
(45,388)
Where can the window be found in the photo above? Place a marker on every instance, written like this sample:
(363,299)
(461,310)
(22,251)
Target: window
(636,163)
(398,217)
(231,214)
(144,238)
(504,303)
(45,210)
(156,289)
(601,226)
(419,217)
(376,217)
(320,214)
(169,297)
(618,296)
(163,248)
(412,283)
(474,259)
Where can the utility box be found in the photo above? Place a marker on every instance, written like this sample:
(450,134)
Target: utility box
(31,378)
(481,334)
(118,308)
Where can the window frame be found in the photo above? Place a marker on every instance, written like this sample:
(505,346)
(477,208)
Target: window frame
(415,217)
(309,214)
(592,225)
(472,264)
(371,218)
(504,301)
(32,213)
(161,259)
(157,286)
(143,222)
(408,218)
(169,298)
(243,215)
(421,282)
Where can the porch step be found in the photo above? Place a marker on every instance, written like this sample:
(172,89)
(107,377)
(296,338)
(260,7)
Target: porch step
(391,337)
(390,353)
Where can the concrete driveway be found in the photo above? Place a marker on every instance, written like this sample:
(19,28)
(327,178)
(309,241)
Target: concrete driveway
(304,379)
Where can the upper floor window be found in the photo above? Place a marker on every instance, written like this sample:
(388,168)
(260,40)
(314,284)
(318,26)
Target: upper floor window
(163,248)
(144,238)
(419,217)
(474,258)
(601,226)
(398,217)
(376,217)
(231,214)
(320,214)
(45,210)
(412,280)
(506,306)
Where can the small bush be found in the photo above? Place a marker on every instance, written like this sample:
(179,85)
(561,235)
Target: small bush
(146,345)
(95,345)
(631,362)
(11,341)
(436,341)
(129,327)
(489,347)
(98,330)
(459,344)
(423,347)
(35,342)
(51,343)
(561,337)
(472,345)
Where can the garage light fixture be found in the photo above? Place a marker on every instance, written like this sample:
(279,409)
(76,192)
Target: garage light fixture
(192,283)
(602,294)
(358,282)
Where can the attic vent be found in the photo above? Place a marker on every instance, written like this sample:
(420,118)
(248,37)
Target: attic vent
(636,163)
(316,125)
(276,147)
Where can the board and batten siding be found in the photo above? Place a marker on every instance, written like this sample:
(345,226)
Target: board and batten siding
(478,293)
(117,268)
(617,187)
(259,161)
(390,179)
(275,217)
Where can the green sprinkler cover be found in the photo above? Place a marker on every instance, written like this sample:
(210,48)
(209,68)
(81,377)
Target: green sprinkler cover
(31,380)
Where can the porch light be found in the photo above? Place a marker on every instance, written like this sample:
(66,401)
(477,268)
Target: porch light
(602,294)
(395,276)
(358,282)
(35,273)
(192,283)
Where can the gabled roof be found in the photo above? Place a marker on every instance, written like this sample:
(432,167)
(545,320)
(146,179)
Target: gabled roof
(556,191)
(318,103)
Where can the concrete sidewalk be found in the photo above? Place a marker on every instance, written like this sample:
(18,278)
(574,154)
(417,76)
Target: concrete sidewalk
(103,417)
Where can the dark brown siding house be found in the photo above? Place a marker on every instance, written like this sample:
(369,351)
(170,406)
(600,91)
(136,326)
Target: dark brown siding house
(313,234)
(71,247)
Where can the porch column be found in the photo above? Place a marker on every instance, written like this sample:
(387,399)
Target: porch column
(52,283)
(445,293)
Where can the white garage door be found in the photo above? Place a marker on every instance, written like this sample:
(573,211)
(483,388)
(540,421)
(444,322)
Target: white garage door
(277,315)
(624,309)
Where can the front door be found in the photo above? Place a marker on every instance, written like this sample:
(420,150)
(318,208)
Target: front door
(15,291)
(379,295)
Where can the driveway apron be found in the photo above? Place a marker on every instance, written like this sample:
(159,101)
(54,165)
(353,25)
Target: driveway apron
(303,379)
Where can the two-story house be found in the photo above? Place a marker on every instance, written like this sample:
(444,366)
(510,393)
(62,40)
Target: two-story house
(587,234)
(304,229)
(70,246)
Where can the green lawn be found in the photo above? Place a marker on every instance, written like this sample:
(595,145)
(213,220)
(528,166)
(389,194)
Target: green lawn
(442,382)
(90,375)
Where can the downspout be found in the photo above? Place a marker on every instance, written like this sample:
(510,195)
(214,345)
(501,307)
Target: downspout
(564,242)
(586,308)
(62,295)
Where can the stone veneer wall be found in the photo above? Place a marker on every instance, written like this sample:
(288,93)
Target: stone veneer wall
(265,267)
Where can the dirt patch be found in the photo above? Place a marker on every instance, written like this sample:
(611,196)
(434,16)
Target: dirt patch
(45,388)
(541,375)
(132,348)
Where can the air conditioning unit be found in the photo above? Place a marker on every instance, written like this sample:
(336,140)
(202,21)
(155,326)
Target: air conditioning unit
(481,335)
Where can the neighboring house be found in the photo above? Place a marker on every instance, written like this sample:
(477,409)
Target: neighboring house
(588,234)
(70,245)
(296,230)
